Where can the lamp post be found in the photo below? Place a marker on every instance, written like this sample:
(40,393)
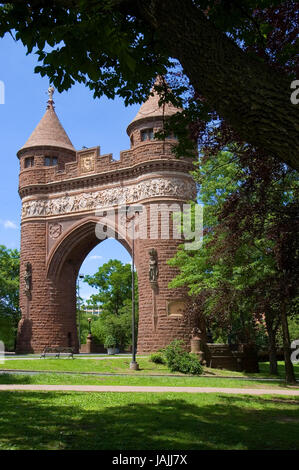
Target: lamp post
(81,276)
(137,209)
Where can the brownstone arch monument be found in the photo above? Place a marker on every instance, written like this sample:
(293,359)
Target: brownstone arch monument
(68,195)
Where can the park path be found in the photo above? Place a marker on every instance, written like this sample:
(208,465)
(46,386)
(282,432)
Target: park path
(126,388)
(94,358)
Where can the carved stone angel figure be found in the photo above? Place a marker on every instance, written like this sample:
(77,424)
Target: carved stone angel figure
(153,266)
(28,278)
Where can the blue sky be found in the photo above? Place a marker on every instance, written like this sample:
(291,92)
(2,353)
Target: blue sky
(88,122)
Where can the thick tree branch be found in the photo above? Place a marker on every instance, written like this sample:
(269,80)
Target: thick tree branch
(252,97)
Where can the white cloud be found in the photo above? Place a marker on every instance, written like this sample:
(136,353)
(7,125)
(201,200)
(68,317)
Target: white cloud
(95,257)
(9,224)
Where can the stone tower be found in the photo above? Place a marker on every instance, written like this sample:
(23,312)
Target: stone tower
(68,196)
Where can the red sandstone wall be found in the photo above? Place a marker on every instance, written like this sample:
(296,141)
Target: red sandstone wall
(48,314)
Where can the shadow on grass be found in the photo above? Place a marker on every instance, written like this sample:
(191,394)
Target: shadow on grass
(17,379)
(121,421)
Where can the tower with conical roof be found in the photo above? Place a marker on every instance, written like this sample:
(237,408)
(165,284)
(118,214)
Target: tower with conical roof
(42,158)
(72,200)
(48,145)
(150,118)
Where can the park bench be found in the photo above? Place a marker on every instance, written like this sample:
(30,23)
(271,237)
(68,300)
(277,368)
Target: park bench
(57,352)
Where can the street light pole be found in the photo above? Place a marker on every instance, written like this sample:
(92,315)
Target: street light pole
(81,276)
(133,364)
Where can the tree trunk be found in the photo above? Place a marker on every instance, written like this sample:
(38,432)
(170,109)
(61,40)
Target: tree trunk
(272,352)
(250,95)
(271,331)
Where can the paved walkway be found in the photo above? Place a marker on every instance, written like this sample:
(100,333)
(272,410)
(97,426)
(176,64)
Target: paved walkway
(94,358)
(125,388)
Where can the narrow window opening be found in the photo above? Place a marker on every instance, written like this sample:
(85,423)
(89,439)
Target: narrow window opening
(147,134)
(29,162)
(51,161)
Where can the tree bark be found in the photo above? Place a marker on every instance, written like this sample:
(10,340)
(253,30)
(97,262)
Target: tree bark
(250,95)
(272,353)
(271,331)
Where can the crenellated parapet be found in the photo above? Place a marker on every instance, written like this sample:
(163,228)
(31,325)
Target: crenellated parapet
(88,169)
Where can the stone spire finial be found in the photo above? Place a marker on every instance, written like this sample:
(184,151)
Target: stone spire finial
(49,132)
(51,90)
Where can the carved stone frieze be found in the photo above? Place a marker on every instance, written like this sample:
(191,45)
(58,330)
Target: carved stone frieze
(72,203)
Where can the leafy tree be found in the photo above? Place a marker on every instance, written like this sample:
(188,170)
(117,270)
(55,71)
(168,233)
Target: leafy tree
(113,279)
(114,283)
(248,261)
(294,326)
(119,327)
(239,56)
(84,325)
(9,295)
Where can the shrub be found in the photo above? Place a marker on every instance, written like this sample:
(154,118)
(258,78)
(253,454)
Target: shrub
(157,358)
(179,360)
(118,326)
(110,341)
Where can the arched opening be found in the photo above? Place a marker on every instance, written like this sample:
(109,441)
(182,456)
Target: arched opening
(104,300)
(65,261)
(77,243)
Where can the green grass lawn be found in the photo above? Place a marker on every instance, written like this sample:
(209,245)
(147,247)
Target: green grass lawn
(264,369)
(117,365)
(120,365)
(150,374)
(76,379)
(141,421)
(123,421)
